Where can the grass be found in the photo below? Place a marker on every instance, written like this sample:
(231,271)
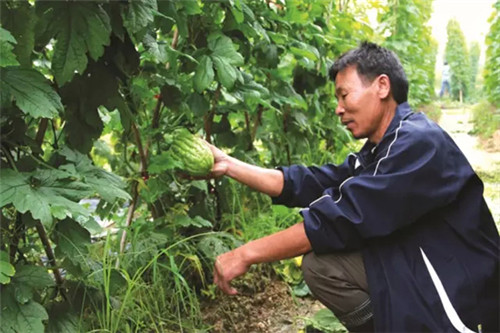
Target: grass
(486,119)
(432,110)
(156,294)
(491,180)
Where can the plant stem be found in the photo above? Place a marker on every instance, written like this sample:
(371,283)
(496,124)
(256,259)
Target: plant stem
(130,215)
(142,155)
(50,254)
(14,243)
(257,121)
(285,130)
(208,119)
(173,45)
(9,158)
(55,145)
(42,128)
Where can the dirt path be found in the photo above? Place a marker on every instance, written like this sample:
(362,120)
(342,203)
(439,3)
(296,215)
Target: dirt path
(457,122)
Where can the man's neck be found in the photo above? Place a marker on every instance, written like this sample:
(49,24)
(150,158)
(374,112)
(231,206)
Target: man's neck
(389,110)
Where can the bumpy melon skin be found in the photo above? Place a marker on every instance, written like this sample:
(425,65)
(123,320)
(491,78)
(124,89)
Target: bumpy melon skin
(192,152)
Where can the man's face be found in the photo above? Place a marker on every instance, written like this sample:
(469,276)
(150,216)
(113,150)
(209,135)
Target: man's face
(359,104)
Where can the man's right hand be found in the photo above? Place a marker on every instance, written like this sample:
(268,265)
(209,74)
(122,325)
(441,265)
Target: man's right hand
(267,181)
(229,266)
(221,162)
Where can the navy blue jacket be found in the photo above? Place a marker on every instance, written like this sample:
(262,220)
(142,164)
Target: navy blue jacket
(415,208)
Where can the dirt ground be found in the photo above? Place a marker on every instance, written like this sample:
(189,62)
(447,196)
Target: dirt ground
(265,304)
(482,155)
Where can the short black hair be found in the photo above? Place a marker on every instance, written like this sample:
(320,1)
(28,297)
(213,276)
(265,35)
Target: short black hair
(372,60)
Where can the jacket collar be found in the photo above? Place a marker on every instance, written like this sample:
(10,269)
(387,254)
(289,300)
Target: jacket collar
(403,111)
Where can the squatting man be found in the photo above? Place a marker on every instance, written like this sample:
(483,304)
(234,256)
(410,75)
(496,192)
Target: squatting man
(398,237)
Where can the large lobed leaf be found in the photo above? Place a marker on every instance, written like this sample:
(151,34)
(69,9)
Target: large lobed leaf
(20,19)
(7,42)
(19,312)
(108,185)
(31,91)
(6,269)
(80,28)
(29,278)
(72,241)
(16,317)
(138,14)
(44,193)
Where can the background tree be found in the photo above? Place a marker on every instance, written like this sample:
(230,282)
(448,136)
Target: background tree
(492,64)
(457,56)
(474,55)
(409,35)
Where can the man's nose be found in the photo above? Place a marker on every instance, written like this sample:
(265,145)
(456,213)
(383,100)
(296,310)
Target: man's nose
(339,110)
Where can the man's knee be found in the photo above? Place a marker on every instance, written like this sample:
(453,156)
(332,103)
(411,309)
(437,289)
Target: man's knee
(309,269)
(339,282)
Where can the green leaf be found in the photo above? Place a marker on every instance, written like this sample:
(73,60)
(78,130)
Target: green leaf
(35,277)
(186,221)
(62,320)
(192,7)
(82,97)
(213,245)
(198,105)
(6,269)
(80,28)
(200,222)
(159,52)
(108,185)
(223,47)
(20,20)
(226,73)
(6,36)
(42,191)
(325,320)
(140,13)
(72,240)
(204,74)
(301,290)
(31,91)
(305,50)
(7,57)
(15,317)
(238,15)
(163,162)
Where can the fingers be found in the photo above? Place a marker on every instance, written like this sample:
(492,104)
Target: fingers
(223,283)
(218,170)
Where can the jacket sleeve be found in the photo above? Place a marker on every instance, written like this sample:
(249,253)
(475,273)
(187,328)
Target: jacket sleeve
(406,181)
(304,184)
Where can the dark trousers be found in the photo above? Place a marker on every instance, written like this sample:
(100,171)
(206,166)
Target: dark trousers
(338,280)
(445,86)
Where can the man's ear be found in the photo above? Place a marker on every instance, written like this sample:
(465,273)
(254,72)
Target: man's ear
(384,86)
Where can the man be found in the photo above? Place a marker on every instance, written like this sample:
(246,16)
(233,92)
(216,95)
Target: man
(445,79)
(398,238)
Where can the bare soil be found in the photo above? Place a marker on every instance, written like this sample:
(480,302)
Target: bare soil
(264,304)
(482,155)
